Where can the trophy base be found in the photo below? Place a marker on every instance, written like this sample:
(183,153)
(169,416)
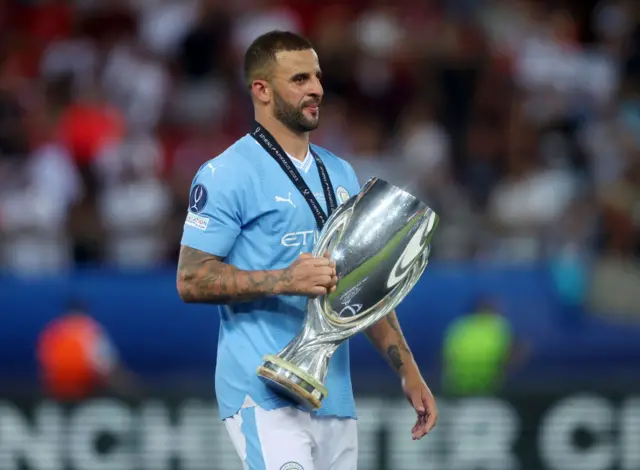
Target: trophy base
(292,382)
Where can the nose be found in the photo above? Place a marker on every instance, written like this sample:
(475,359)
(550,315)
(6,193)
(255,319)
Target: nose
(315,89)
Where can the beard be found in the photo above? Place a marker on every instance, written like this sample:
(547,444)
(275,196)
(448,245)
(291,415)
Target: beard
(293,117)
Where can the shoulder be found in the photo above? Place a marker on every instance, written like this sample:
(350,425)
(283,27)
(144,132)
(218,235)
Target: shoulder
(231,167)
(337,164)
(331,159)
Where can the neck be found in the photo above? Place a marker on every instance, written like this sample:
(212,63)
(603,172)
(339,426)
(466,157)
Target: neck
(294,143)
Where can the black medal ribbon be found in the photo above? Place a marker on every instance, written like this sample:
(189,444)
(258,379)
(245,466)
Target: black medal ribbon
(273,148)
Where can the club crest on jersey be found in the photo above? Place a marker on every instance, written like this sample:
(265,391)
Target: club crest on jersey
(292,466)
(343,194)
(197,198)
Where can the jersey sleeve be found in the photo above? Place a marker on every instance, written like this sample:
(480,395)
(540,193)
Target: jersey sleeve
(215,212)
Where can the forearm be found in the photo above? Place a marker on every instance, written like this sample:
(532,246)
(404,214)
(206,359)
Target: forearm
(388,339)
(204,278)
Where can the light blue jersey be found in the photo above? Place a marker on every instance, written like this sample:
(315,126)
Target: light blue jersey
(244,207)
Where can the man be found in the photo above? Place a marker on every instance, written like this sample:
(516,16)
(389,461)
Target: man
(254,216)
(478,350)
(77,358)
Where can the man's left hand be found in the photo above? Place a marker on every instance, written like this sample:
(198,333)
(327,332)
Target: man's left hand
(422,400)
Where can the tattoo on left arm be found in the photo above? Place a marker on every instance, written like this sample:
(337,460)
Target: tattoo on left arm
(387,337)
(393,353)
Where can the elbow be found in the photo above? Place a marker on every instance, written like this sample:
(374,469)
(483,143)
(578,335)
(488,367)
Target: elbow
(184,291)
(191,292)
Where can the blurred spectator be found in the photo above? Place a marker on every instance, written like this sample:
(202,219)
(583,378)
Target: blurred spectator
(77,359)
(510,118)
(334,131)
(378,29)
(479,350)
(204,59)
(425,145)
(256,17)
(369,157)
(201,142)
(137,84)
(40,185)
(134,202)
(163,23)
(531,197)
(89,124)
(75,56)
(203,51)
(616,273)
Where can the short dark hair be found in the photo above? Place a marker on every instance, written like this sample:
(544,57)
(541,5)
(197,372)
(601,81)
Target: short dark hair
(261,54)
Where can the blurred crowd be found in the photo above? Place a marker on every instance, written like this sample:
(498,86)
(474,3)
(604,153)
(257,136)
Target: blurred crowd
(517,120)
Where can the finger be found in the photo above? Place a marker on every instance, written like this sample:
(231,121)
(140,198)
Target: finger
(305,256)
(416,426)
(324,281)
(420,428)
(420,421)
(432,411)
(323,271)
(321,262)
(432,418)
(332,265)
(334,280)
(326,254)
(317,291)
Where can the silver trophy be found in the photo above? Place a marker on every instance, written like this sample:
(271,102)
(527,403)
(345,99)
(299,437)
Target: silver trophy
(380,240)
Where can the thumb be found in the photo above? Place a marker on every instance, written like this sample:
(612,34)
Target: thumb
(305,255)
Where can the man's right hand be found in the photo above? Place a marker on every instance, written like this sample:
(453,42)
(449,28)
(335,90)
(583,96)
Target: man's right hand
(309,276)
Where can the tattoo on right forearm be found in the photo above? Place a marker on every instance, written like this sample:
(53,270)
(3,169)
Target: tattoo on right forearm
(205,278)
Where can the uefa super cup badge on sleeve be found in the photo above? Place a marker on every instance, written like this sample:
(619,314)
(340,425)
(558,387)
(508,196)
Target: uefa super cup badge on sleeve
(380,240)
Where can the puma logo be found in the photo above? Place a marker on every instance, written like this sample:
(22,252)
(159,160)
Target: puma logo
(212,168)
(281,199)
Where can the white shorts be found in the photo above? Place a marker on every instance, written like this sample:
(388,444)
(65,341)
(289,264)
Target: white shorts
(291,439)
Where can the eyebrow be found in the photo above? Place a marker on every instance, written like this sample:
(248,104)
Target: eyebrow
(306,75)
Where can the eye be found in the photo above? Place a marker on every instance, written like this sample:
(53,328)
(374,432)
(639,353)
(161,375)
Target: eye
(300,78)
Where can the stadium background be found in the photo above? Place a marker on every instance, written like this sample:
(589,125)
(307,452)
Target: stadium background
(517,120)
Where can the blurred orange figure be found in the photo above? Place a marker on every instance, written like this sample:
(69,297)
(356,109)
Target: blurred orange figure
(75,357)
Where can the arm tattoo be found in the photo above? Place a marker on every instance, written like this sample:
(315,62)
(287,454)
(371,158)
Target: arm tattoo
(394,357)
(392,319)
(204,278)
(387,337)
